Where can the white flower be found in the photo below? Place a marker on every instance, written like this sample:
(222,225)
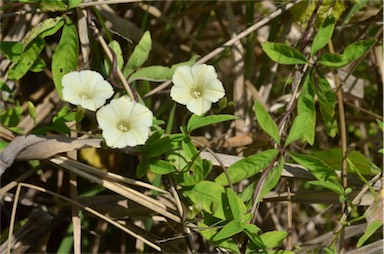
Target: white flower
(124,122)
(86,88)
(197,87)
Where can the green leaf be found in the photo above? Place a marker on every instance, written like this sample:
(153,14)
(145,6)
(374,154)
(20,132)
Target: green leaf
(194,173)
(46,28)
(183,152)
(273,239)
(210,197)
(38,65)
(299,128)
(152,73)
(317,167)
(3,144)
(115,46)
(332,60)
(11,50)
(333,158)
(266,122)
(156,145)
(73,3)
(4,87)
(381,124)
(357,49)
(372,228)
(306,105)
(11,117)
(252,232)
(53,6)
(231,228)
(211,231)
(158,73)
(161,167)
(237,206)
(196,121)
(323,35)
(64,60)
(27,59)
(332,186)
(139,55)
(327,104)
(303,10)
(192,169)
(272,179)
(351,53)
(32,110)
(247,167)
(305,122)
(283,54)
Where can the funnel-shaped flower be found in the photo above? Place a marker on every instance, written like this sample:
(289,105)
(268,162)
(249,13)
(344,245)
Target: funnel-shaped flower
(86,88)
(197,87)
(124,122)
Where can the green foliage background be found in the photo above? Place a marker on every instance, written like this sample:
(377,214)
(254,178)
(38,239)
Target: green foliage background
(289,161)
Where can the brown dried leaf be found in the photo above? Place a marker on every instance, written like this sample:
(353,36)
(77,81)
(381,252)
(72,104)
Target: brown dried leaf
(32,147)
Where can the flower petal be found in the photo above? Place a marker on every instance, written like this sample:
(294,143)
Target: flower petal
(113,138)
(107,118)
(215,91)
(134,116)
(180,94)
(183,77)
(196,87)
(141,116)
(86,88)
(199,106)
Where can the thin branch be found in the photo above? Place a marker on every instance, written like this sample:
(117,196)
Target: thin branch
(13,215)
(343,136)
(109,54)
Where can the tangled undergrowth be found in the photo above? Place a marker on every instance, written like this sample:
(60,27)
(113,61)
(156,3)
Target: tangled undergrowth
(132,126)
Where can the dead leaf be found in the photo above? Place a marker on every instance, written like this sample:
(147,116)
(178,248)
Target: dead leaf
(32,147)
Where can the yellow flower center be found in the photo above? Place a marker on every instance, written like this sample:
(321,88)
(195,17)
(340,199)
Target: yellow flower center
(123,126)
(84,96)
(196,93)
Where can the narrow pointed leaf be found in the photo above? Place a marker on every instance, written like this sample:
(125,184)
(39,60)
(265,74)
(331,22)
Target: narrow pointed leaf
(115,46)
(327,104)
(247,167)
(323,35)
(332,186)
(64,60)
(11,50)
(372,228)
(140,54)
(272,179)
(161,167)
(283,54)
(27,59)
(46,28)
(298,129)
(306,104)
(209,234)
(273,239)
(317,167)
(158,73)
(266,122)
(351,53)
(196,121)
(237,206)
(252,232)
(230,229)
